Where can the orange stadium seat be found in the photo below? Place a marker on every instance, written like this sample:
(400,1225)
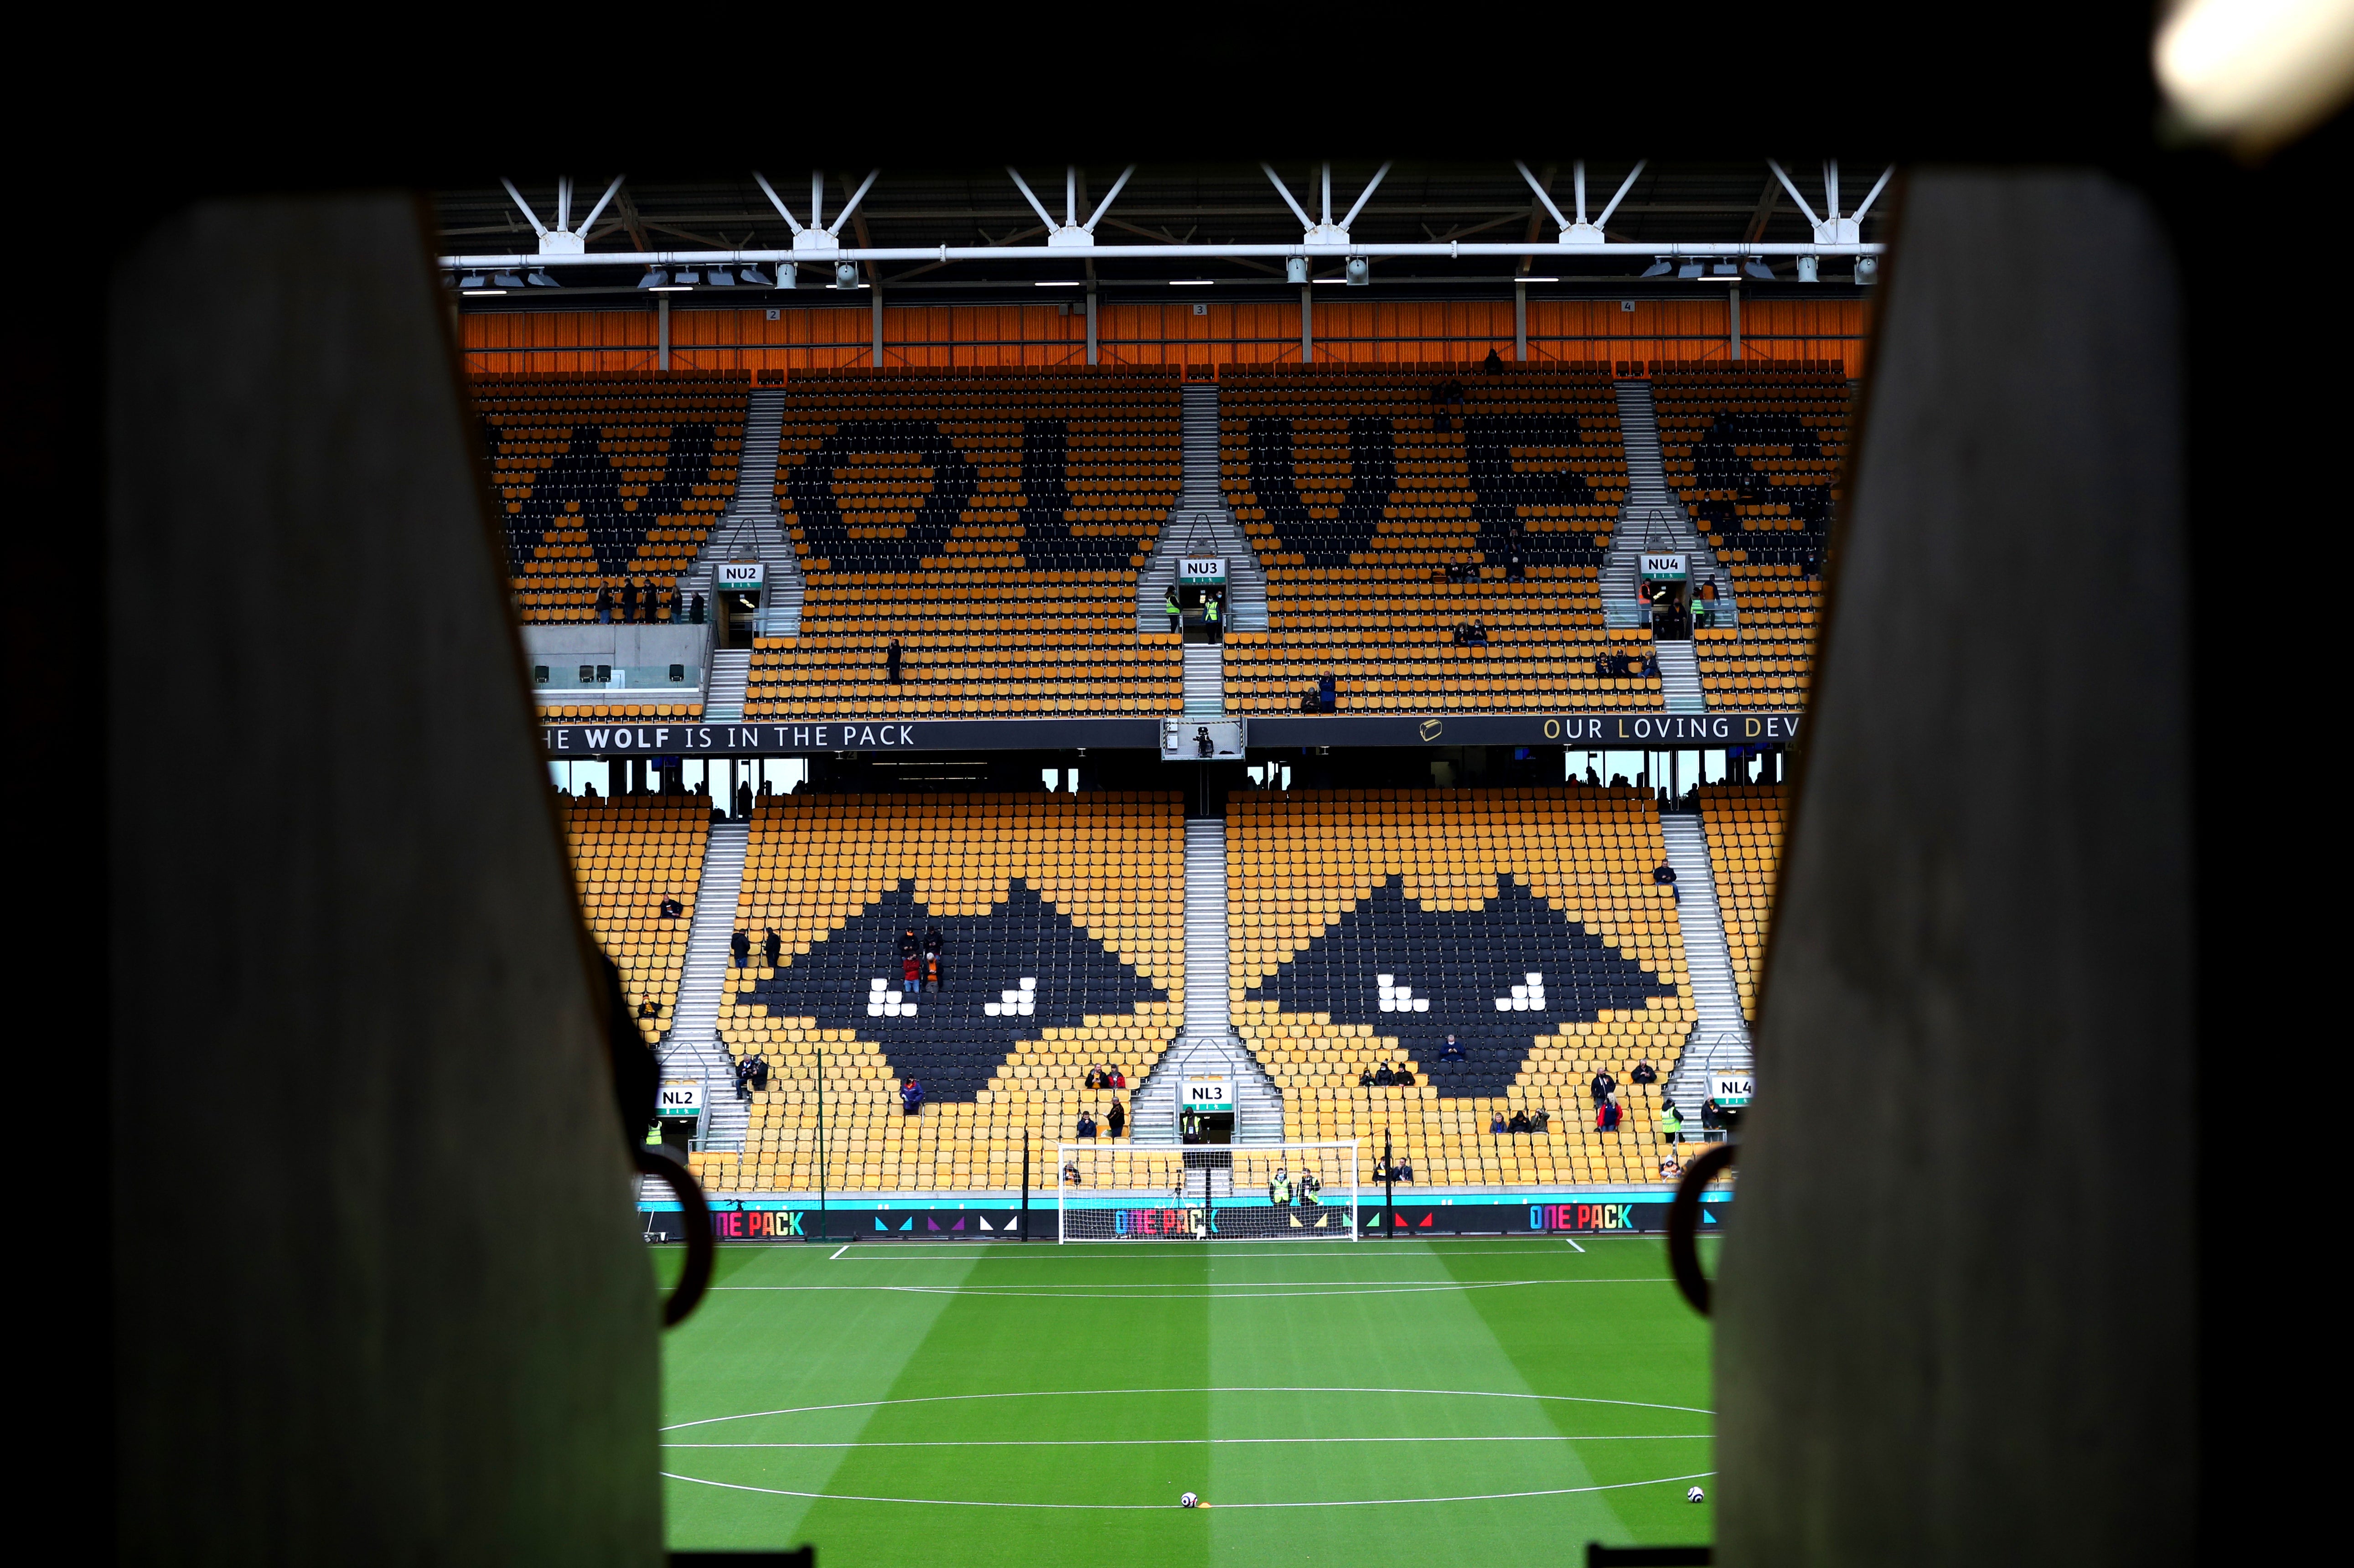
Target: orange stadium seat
(1327,887)
(1391,507)
(992,522)
(1082,894)
(628,855)
(607,482)
(1754,448)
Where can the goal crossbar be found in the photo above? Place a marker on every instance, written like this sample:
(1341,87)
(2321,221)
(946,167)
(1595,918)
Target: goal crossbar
(1107,1191)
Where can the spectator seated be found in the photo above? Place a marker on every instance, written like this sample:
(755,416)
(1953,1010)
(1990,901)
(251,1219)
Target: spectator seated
(1063,930)
(634,857)
(992,522)
(1754,448)
(1395,511)
(1368,926)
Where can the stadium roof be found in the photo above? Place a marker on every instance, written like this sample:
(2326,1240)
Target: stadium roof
(1154,225)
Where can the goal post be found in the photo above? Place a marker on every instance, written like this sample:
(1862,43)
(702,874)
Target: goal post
(1207,1192)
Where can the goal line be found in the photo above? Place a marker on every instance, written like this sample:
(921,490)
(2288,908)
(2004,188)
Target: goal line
(1206,1192)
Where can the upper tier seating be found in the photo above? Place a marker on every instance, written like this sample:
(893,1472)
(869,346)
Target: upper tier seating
(1362,490)
(609,481)
(629,854)
(1754,453)
(993,522)
(1081,896)
(1454,899)
(1743,822)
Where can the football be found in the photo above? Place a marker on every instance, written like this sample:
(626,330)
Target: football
(1189,1500)
(1695,1495)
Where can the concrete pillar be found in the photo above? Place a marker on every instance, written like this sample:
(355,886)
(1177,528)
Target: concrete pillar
(1519,321)
(1091,324)
(877,314)
(435,1339)
(1956,1321)
(1733,320)
(1306,324)
(662,332)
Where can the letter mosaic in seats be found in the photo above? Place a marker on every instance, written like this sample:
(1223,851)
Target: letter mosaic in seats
(1457,964)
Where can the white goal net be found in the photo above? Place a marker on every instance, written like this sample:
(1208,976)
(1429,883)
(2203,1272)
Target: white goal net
(1206,1192)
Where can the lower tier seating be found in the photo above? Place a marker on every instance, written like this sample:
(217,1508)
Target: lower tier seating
(1743,822)
(1062,928)
(1368,926)
(630,854)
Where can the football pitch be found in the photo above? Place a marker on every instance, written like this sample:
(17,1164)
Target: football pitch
(1484,1400)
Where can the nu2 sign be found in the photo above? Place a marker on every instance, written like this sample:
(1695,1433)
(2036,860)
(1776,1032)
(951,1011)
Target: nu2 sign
(741,577)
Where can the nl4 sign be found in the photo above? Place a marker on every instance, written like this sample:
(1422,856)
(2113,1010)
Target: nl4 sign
(1731,1087)
(741,577)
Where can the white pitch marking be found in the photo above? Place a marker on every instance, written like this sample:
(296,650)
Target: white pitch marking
(1137,1507)
(838,1251)
(1111,1392)
(1572,1242)
(1213,1441)
(1238,1291)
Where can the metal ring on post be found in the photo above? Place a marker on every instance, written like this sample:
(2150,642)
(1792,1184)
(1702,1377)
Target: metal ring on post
(1683,1223)
(696,1277)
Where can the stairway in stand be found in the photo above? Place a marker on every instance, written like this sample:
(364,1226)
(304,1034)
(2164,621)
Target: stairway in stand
(692,1048)
(1721,1037)
(731,673)
(752,530)
(1679,675)
(1201,524)
(1652,518)
(1205,680)
(1210,1044)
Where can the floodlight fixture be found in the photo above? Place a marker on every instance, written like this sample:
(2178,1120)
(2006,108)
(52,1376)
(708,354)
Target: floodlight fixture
(754,277)
(1757,268)
(540,280)
(655,278)
(1810,268)
(1689,269)
(721,277)
(506,281)
(1657,269)
(473,280)
(788,275)
(686,277)
(1295,269)
(1867,270)
(1359,270)
(845,274)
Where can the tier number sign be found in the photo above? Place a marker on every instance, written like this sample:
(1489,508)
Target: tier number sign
(1207,1094)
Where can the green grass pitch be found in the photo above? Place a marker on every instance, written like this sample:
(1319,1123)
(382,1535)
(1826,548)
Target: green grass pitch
(1494,1400)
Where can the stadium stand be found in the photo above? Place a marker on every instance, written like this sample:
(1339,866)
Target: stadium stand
(1063,922)
(628,855)
(1743,822)
(1754,453)
(1366,925)
(608,481)
(1395,510)
(992,524)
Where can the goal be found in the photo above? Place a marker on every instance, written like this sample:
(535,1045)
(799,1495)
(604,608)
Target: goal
(1206,1192)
